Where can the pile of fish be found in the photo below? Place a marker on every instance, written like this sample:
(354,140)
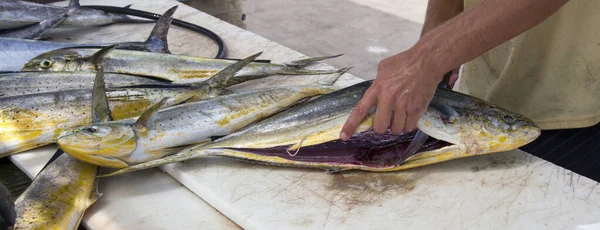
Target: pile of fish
(135,105)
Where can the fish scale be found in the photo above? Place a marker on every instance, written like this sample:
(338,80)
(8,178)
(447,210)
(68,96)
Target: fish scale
(175,68)
(51,112)
(15,84)
(307,135)
(186,124)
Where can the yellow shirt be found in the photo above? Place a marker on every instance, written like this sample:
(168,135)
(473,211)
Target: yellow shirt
(550,73)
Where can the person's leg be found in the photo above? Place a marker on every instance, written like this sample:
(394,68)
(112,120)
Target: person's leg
(577,150)
(230,11)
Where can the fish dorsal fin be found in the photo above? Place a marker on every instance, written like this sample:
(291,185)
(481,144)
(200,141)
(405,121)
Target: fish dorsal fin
(73,4)
(157,41)
(100,109)
(97,58)
(220,79)
(146,120)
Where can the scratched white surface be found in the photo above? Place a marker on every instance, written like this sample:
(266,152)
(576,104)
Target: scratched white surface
(512,190)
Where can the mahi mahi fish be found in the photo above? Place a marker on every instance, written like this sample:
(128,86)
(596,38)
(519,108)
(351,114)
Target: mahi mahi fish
(62,192)
(33,120)
(22,83)
(15,52)
(158,133)
(307,135)
(175,68)
(16,13)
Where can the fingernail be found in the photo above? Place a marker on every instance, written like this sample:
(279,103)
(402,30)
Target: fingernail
(343,136)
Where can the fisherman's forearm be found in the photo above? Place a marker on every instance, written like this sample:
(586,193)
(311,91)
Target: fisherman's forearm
(478,30)
(439,11)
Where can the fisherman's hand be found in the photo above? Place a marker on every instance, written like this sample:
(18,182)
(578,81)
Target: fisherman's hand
(404,86)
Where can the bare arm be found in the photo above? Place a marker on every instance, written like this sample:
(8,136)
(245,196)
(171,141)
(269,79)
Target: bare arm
(406,82)
(482,28)
(439,11)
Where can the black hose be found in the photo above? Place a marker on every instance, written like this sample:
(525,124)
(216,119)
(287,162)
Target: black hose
(177,22)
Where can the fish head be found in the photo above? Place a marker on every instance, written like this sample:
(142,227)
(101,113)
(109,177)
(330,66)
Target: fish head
(480,126)
(500,129)
(59,60)
(99,144)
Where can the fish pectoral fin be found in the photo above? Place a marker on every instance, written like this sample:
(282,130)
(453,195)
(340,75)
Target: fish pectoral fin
(146,120)
(97,58)
(7,207)
(449,114)
(221,79)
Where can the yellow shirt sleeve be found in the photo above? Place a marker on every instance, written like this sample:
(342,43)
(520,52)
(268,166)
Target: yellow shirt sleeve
(550,73)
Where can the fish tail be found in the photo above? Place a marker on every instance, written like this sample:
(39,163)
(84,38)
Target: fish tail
(295,67)
(36,30)
(329,80)
(304,62)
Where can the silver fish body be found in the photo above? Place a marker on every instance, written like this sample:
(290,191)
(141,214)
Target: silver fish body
(175,68)
(15,14)
(33,120)
(21,83)
(59,195)
(16,52)
(121,143)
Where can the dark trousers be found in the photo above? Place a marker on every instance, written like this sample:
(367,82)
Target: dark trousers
(577,150)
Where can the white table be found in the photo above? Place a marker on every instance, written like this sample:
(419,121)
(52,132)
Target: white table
(511,190)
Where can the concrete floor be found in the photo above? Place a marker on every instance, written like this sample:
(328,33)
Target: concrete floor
(365,31)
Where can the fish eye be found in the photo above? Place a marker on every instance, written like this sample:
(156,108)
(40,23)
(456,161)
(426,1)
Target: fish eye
(508,118)
(91,129)
(45,63)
